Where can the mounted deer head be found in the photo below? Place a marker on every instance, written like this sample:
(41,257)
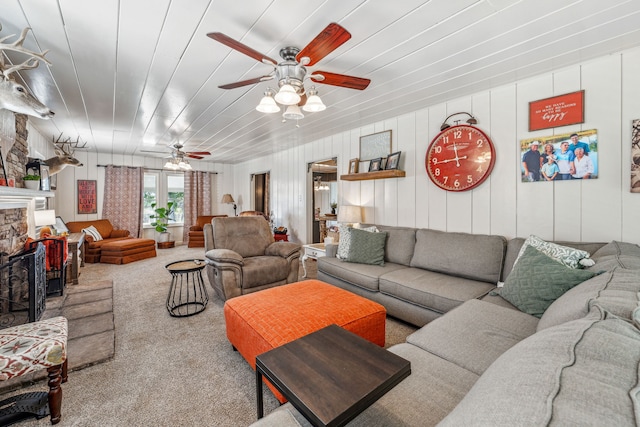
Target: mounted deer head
(63,157)
(13,95)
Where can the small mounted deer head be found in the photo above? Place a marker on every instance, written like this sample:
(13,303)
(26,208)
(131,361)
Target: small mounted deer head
(13,95)
(64,157)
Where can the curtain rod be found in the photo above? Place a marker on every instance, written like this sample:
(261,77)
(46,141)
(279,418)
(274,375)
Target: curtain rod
(149,169)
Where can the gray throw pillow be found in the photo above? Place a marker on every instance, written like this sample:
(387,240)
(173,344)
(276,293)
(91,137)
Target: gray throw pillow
(366,247)
(536,281)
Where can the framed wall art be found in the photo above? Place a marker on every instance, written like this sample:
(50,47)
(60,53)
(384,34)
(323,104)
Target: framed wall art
(375,145)
(87,196)
(635,156)
(561,110)
(567,156)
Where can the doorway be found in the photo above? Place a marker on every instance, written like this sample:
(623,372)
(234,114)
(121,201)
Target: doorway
(260,192)
(324,201)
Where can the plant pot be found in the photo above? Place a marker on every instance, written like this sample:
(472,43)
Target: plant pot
(164,237)
(32,185)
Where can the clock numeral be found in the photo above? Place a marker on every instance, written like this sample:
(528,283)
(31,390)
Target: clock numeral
(457,134)
(456,183)
(445,179)
(470,135)
(479,169)
(469,179)
(445,139)
(436,171)
(438,149)
(434,161)
(479,143)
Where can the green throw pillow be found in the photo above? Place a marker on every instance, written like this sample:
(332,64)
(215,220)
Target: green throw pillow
(366,247)
(538,280)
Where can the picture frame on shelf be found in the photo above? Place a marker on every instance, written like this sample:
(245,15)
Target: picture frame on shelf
(393,161)
(375,164)
(353,165)
(375,145)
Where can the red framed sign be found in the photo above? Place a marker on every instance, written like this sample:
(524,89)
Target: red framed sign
(561,110)
(87,196)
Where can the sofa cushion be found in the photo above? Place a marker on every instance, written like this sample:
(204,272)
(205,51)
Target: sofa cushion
(473,256)
(247,235)
(345,239)
(617,254)
(436,291)
(582,373)
(482,331)
(93,233)
(362,275)
(401,241)
(366,247)
(537,280)
(617,291)
(565,255)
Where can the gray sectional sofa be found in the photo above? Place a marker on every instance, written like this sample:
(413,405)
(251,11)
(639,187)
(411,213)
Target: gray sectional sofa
(480,361)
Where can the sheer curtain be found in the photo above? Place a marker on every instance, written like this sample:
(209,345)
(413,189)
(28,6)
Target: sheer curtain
(122,204)
(197,198)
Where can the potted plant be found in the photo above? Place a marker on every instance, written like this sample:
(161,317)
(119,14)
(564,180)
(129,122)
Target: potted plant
(32,182)
(161,220)
(334,205)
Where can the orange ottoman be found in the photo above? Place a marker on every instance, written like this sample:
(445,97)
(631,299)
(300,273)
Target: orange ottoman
(260,321)
(128,250)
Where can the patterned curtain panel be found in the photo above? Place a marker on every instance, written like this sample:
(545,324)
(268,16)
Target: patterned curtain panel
(122,204)
(197,198)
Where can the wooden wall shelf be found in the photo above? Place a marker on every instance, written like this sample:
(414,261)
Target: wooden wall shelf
(392,173)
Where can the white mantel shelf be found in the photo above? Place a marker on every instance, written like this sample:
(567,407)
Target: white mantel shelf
(11,197)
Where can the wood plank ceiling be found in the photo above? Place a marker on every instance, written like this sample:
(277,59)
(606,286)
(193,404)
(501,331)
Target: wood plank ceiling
(132,76)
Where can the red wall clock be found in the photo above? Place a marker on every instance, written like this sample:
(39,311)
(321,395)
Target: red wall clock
(460,158)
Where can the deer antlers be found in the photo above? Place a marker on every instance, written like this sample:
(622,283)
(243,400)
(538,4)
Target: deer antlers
(72,145)
(16,46)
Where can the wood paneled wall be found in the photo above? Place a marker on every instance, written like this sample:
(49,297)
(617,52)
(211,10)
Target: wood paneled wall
(595,210)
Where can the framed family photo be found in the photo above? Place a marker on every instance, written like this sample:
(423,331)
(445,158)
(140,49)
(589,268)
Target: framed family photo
(353,165)
(567,156)
(375,164)
(393,160)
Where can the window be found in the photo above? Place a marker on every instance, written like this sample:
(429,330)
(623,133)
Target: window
(161,188)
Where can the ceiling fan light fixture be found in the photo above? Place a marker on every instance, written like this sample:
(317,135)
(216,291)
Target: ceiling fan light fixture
(293,112)
(170,165)
(314,103)
(268,104)
(287,95)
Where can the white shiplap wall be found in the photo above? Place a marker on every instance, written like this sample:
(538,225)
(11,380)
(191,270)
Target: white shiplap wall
(596,210)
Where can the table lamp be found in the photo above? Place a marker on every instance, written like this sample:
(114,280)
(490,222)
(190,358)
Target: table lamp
(227,198)
(351,215)
(44,219)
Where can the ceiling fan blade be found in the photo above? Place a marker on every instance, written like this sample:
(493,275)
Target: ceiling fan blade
(199,153)
(342,80)
(192,156)
(246,82)
(242,48)
(326,42)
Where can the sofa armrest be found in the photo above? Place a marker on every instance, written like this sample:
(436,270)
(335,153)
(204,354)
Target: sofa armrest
(119,233)
(217,256)
(282,249)
(330,249)
(208,237)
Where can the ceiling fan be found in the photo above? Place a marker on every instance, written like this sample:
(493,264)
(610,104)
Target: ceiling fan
(177,153)
(291,73)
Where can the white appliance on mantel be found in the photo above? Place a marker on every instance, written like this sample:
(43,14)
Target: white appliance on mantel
(16,198)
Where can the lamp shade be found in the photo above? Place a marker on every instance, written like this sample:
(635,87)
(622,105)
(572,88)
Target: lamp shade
(227,198)
(45,217)
(287,95)
(350,214)
(314,104)
(293,113)
(268,105)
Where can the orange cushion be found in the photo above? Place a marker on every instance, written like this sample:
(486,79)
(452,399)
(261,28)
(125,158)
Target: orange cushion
(263,320)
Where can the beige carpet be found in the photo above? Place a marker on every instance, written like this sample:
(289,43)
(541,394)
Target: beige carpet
(166,371)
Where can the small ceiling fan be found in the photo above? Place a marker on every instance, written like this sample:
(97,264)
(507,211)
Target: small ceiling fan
(177,153)
(292,71)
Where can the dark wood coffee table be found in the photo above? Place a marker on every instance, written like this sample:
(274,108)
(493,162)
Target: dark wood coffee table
(330,375)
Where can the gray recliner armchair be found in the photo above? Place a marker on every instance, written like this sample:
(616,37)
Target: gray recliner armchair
(243,257)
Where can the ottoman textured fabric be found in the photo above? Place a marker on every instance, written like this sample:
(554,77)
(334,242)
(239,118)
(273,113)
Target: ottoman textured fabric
(261,321)
(128,250)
